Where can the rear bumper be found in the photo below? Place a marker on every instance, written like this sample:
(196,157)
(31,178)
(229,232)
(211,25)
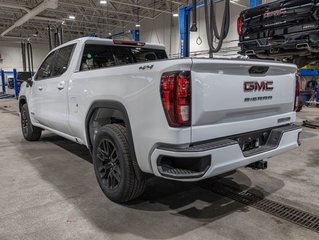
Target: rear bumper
(219,156)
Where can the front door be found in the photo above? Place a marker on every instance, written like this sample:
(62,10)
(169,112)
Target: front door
(53,102)
(38,88)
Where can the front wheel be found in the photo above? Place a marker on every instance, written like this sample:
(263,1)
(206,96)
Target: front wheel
(113,165)
(30,132)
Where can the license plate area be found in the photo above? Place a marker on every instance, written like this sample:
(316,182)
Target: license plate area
(251,141)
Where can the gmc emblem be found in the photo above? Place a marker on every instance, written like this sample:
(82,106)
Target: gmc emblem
(258,86)
(275,13)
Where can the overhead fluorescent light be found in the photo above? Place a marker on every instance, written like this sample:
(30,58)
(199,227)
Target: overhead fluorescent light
(103,2)
(72,17)
(138,25)
(175,14)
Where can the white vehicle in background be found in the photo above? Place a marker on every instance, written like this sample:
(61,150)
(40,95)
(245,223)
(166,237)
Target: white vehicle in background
(138,112)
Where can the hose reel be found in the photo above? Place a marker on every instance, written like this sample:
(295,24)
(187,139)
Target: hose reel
(211,24)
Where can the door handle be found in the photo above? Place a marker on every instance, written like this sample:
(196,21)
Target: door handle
(61,85)
(40,88)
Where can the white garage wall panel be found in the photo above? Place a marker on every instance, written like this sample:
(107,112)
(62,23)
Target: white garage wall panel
(159,30)
(12,56)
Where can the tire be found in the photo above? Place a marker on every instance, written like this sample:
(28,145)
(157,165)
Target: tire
(30,132)
(113,165)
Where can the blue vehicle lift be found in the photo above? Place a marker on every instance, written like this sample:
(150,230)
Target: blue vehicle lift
(15,82)
(135,35)
(184,25)
(255,3)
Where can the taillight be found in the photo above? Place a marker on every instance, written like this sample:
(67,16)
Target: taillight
(176,97)
(297,93)
(239,25)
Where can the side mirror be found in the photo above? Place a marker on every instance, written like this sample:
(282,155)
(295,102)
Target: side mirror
(29,82)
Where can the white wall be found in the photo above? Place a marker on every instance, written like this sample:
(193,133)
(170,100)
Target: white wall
(164,29)
(12,57)
(159,30)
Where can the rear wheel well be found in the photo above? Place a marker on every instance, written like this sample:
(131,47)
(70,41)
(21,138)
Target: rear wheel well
(100,117)
(105,112)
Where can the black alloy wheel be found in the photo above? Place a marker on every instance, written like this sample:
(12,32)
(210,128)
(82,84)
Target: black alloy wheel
(114,168)
(108,164)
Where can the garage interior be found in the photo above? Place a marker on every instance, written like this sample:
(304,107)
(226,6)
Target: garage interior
(48,189)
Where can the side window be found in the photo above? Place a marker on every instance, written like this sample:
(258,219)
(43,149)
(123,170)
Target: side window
(62,60)
(97,56)
(123,55)
(46,67)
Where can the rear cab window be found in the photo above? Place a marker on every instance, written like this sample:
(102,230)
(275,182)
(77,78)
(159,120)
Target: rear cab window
(145,55)
(96,56)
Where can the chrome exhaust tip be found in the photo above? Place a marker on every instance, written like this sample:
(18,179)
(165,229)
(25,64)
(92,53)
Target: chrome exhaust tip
(250,52)
(302,46)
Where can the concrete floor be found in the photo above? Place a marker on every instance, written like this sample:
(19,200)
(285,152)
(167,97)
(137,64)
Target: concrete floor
(48,191)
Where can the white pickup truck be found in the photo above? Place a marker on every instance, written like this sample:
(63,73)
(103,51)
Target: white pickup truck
(138,112)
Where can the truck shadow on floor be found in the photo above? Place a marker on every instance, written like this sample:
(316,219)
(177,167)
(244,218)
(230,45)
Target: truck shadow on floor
(313,158)
(167,209)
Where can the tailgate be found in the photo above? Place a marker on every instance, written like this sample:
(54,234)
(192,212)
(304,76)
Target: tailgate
(279,14)
(228,100)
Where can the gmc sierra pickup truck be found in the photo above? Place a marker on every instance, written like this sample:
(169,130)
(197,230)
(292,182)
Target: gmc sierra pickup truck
(285,30)
(140,113)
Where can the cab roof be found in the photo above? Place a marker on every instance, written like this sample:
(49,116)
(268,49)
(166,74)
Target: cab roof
(115,42)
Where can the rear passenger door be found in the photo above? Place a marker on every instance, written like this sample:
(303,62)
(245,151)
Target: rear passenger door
(54,100)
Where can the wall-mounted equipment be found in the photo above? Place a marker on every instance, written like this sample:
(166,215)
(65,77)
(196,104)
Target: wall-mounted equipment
(27,56)
(56,38)
(211,26)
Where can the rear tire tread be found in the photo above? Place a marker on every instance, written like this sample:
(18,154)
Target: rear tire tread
(138,186)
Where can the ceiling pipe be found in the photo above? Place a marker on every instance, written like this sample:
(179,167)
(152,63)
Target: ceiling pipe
(138,6)
(12,37)
(7,5)
(48,19)
(102,10)
(46,4)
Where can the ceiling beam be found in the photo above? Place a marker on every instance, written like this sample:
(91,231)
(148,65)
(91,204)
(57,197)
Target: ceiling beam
(32,13)
(103,10)
(93,16)
(138,6)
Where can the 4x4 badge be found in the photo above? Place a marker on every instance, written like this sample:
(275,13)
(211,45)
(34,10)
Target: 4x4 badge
(146,67)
